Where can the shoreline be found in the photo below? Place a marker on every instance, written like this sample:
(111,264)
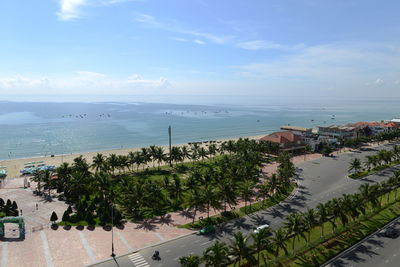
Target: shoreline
(15,165)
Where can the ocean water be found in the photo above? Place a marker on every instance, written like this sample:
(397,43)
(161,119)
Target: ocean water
(46,126)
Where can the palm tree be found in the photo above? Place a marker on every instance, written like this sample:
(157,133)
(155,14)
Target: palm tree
(217,255)
(247,192)
(355,165)
(37,177)
(263,191)
(278,240)
(240,249)
(322,216)
(175,154)
(177,188)
(98,161)
(227,191)
(212,150)
(46,178)
(113,161)
(203,154)
(190,261)
(159,155)
(369,161)
(153,153)
(210,198)
(310,220)
(261,241)
(196,201)
(294,224)
(185,153)
(145,156)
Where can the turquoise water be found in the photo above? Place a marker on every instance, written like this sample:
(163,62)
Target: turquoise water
(30,129)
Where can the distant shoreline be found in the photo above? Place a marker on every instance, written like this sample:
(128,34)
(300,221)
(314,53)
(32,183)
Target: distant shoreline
(15,165)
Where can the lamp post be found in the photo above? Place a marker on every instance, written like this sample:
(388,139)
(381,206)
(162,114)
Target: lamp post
(112,231)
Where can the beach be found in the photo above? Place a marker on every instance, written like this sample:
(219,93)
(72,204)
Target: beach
(15,165)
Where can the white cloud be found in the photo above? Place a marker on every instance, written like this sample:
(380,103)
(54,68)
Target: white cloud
(173,26)
(200,42)
(379,81)
(83,82)
(70,9)
(262,45)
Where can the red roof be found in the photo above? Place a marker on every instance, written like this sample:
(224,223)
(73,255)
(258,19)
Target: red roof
(375,123)
(282,137)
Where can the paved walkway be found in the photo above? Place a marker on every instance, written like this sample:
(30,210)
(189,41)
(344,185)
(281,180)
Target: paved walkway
(73,246)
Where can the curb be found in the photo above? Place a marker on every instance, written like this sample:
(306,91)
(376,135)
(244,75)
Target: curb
(140,249)
(327,263)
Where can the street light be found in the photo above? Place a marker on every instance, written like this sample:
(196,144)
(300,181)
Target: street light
(112,231)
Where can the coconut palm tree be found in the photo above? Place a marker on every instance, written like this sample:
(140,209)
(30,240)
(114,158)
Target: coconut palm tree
(247,193)
(369,161)
(145,156)
(113,161)
(203,154)
(176,154)
(210,198)
(278,240)
(240,249)
(261,241)
(263,191)
(322,216)
(185,153)
(294,225)
(355,165)
(310,219)
(227,191)
(159,155)
(98,162)
(217,255)
(153,153)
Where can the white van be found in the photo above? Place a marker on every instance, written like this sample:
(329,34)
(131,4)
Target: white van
(260,227)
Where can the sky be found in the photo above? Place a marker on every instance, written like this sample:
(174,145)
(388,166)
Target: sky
(287,48)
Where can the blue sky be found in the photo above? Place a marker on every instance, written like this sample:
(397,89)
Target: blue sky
(225,47)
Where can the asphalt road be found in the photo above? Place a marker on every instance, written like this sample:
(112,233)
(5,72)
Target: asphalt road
(319,181)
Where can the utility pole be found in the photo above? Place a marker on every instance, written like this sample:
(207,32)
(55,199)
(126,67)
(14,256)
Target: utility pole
(112,231)
(169,133)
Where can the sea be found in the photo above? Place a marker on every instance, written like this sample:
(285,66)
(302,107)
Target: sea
(32,126)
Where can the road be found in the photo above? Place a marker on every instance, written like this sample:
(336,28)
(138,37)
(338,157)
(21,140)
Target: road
(319,181)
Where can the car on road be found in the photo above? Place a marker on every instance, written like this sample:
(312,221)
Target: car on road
(390,232)
(207,229)
(261,227)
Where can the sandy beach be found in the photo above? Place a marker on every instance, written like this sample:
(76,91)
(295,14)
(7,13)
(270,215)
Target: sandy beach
(15,165)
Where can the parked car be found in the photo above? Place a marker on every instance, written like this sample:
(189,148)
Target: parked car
(261,227)
(207,229)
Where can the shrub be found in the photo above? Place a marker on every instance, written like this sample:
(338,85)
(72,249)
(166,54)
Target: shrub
(65,217)
(54,217)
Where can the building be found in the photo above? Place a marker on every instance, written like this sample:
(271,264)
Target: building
(288,141)
(376,127)
(300,131)
(339,132)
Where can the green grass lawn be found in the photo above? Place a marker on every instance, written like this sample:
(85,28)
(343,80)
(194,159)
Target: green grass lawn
(224,217)
(367,172)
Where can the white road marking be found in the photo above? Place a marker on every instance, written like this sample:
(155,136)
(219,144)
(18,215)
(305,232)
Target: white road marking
(205,243)
(47,254)
(4,254)
(87,247)
(138,260)
(168,250)
(122,238)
